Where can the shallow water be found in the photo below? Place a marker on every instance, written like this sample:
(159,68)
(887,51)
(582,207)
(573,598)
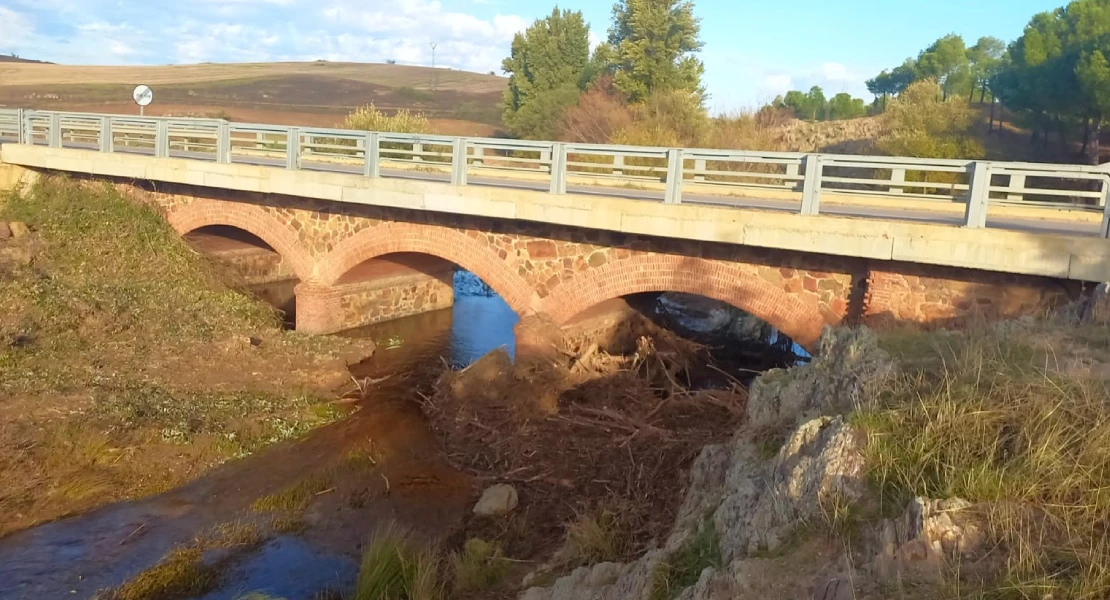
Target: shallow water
(75,557)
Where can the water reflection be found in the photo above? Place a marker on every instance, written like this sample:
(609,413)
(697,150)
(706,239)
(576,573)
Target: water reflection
(478,322)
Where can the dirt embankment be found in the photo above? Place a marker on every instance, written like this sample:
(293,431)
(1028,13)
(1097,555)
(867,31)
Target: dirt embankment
(130,364)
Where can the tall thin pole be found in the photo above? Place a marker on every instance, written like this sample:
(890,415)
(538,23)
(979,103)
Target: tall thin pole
(434,46)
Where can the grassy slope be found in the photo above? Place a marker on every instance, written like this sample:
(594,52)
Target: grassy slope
(126,362)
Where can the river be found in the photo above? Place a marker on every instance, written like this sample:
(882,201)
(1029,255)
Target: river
(417,489)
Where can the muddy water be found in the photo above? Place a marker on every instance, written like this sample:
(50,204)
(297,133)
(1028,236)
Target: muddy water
(75,557)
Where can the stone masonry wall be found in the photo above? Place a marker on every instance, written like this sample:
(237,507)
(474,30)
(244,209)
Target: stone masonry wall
(556,272)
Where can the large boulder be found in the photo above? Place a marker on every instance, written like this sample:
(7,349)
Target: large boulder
(848,367)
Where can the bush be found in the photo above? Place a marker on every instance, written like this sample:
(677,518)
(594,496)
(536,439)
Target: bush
(369,118)
(670,118)
(920,124)
(600,113)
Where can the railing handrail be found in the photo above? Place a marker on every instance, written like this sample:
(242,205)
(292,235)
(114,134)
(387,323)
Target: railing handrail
(966,180)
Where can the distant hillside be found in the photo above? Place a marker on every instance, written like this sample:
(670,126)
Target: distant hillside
(313,94)
(8,58)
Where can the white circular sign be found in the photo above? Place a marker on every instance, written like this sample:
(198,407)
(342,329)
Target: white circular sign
(143,95)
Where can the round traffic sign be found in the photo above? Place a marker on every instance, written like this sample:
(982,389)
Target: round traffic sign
(143,95)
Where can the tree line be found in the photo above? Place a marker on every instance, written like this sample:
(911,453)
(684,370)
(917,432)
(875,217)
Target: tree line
(1055,77)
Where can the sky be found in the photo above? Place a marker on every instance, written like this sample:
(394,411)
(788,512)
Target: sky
(754,49)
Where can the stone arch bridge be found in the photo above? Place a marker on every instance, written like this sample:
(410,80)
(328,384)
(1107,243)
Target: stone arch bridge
(363,249)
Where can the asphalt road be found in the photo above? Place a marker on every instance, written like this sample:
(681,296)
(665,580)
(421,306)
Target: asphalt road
(894,213)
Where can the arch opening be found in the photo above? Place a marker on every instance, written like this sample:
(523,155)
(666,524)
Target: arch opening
(732,336)
(257,268)
(427,304)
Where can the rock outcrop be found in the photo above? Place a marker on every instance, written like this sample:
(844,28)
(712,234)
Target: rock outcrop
(753,501)
(847,367)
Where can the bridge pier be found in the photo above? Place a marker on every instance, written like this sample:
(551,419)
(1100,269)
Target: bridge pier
(379,290)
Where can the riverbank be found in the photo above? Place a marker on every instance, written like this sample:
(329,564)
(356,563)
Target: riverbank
(132,365)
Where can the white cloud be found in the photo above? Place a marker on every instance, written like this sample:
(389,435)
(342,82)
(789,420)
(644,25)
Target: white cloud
(15,28)
(115,31)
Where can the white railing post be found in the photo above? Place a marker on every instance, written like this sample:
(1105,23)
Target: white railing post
(1016,182)
(458,162)
(417,151)
(223,143)
(105,134)
(1105,207)
(293,149)
(558,168)
(978,195)
(792,170)
(673,195)
(699,169)
(897,176)
(811,186)
(161,139)
(54,136)
(372,168)
(479,154)
(547,161)
(19,116)
(618,164)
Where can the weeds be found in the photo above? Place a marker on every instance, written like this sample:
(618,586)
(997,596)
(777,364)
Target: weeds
(479,566)
(394,568)
(601,536)
(683,568)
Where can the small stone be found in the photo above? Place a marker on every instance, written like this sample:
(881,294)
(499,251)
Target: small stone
(5,231)
(497,500)
(255,341)
(18,229)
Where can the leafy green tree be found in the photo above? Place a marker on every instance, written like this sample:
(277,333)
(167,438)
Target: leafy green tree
(946,61)
(985,59)
(844,106)
(652,45)
(549,65)
(920,124)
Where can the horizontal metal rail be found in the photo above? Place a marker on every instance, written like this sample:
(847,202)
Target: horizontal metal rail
(805,178)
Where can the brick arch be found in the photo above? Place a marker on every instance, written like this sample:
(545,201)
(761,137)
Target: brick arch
(671,273)
(248,217)
(444,242)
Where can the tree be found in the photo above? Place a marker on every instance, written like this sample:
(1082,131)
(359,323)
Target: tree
(985,58)
(844,106)
(946,61)
(548,67)
(920,124)
(652,45)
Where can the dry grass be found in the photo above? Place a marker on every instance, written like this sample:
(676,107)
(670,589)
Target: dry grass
(294,499)
(984,416)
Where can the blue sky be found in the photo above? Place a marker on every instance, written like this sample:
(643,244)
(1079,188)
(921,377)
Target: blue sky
(753,49)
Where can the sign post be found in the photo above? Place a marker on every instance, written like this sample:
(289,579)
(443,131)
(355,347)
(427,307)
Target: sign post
(143,96)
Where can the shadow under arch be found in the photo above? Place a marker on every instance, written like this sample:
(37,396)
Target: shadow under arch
(451,245)
(672,273)
(253,219)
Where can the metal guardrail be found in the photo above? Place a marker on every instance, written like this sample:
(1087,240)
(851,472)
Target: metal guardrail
(805,178)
